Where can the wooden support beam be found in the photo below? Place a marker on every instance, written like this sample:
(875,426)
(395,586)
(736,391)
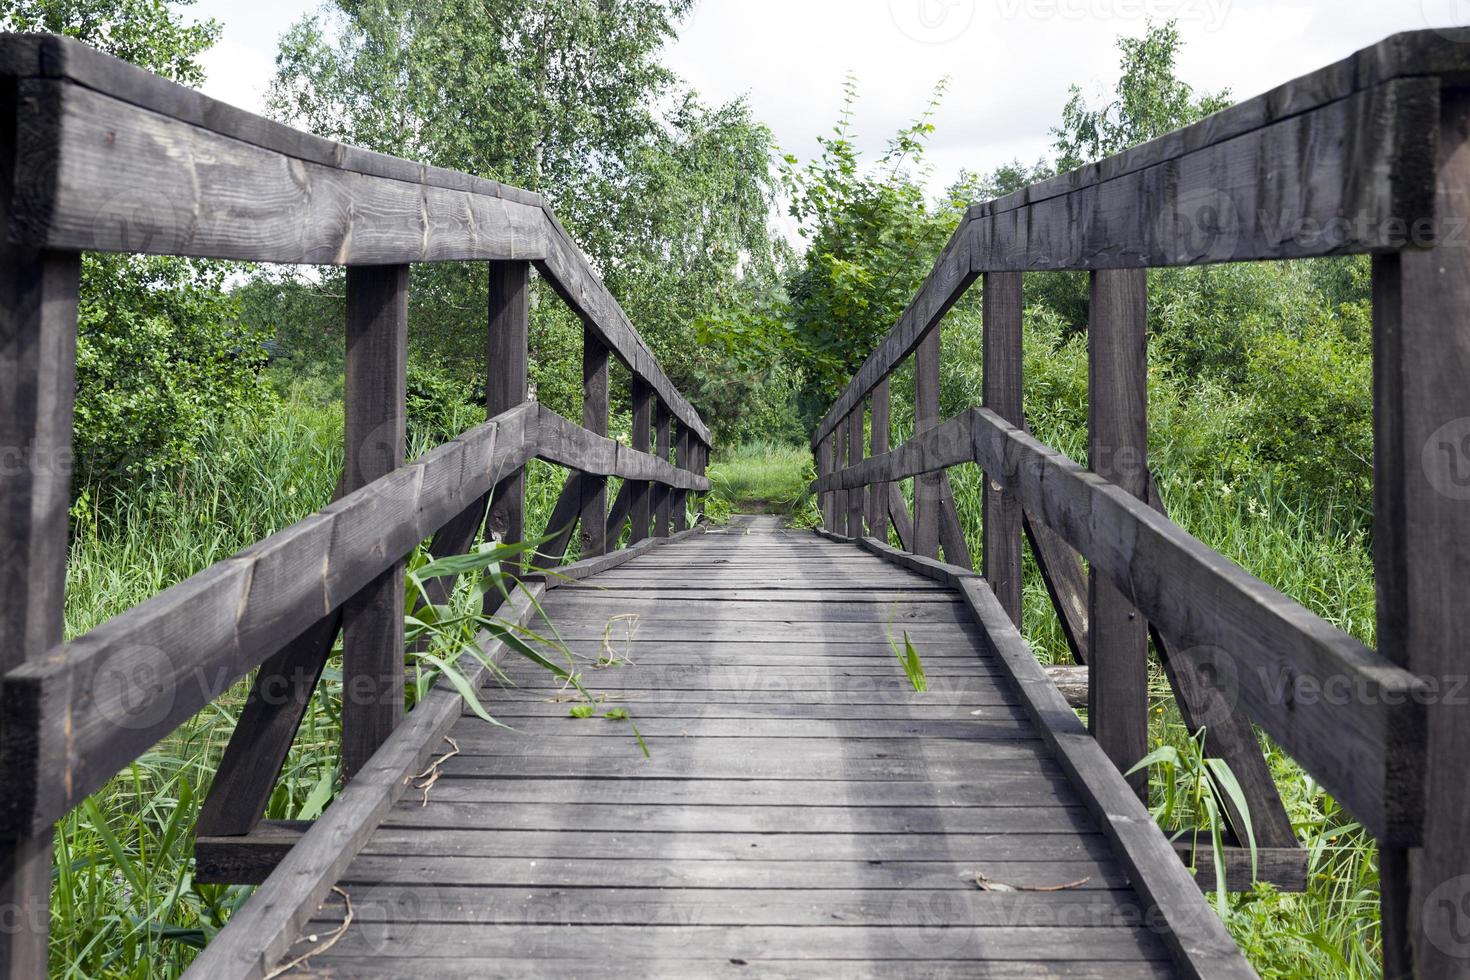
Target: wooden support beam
(857,496)
(898,512)
(506,355)
(372,620)
(617,515)
(593,539)
(641,510)
(1117,450)
(951,531)
(561,523)
(1421,543)
(38,331)
(928,488)
(1002,395)
(663,449)
(680,506)
(879,424)
(826,462)
(1066,582)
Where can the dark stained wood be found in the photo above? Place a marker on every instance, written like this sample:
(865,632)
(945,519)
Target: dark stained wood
(642,503)
(1421,535)
(1117,451)
(561,523)
(505,387)
(898,512)
(877,515)
(1065,580)
(195,639)
(856,498)
(375,436)
(928,489)
(617,514)
(663,449)
(826,453)
(840,446)
(593,538)
(1268,647)
(1284,867)
(1002,383)
(38,318)
(679,506)
(951,531)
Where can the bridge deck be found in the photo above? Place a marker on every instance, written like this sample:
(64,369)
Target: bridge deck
(802,804)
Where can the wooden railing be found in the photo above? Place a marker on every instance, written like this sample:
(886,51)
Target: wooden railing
(1371,155)
(98,155)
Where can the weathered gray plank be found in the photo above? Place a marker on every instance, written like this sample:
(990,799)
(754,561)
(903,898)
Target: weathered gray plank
(1002,395)
(506,353)
(593,539)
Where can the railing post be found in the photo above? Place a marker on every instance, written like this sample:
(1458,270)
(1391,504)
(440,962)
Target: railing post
(506,386)
(823,454)
(641,511)
(38,334)
(878,441)
(1117,450)
(857,497)
(928,487)
(372,620)
(1001,559)
(663,422)
(593,538)
(1421,536)
(839,463)
(685,447)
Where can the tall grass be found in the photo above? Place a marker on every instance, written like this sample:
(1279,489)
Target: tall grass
(124,901)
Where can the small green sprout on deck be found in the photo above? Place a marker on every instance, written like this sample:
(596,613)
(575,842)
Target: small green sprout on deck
(908,658)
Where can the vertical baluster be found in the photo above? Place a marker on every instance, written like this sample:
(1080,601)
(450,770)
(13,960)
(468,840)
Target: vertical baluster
(663,423)
(1421,537)
(38,330)
(372,620)
(878,441)
(680,513)
(506,354)
(928,487)
(594,419)
(839,463)
(857,497)
(1001,562)
(1117,441)
(642,509)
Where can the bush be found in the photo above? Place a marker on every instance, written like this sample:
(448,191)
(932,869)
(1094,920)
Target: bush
(162,360)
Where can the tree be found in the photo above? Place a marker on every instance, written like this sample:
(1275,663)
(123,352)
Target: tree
(1149,100)
(161,355)
(669,197)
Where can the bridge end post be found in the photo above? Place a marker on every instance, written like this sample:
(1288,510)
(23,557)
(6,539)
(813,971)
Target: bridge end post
(663,496)
(506,356)
(928,487)
(593,521)
(1001,383)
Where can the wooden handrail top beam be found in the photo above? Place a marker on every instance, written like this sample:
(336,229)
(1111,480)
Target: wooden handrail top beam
(110,157)
(1355,143)
(568,444)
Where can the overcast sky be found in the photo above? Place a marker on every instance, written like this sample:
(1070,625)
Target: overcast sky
(1010,62)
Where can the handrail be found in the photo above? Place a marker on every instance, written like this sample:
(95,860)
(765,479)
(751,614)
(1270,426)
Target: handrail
(1370,155)
(96,154)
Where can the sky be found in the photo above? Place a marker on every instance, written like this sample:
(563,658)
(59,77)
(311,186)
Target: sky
(1010,63)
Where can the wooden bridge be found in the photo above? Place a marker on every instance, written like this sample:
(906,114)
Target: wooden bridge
(802,811)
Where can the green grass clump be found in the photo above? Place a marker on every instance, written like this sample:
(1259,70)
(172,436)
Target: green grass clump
(762,478)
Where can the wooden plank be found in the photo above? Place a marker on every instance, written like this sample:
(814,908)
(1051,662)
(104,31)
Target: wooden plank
(38,324)
(102,699)
(1117,451)
(593,539)
(1002,395)
(121,178)
(1065,581)
(642,503)
(375,444)
(261,931)
(1421,535)
(1352,176)
(856,436)
(1283,867)
(506,355)
(945,444)
(663,448)
(1277,658)
(927,488)
(877,515)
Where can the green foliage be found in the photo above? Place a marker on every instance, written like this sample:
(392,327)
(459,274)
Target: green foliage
(161,360)
(145,32)
(761,477)
(1149,100)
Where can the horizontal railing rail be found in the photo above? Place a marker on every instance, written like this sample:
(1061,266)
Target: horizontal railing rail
(96,154)
(1371,155)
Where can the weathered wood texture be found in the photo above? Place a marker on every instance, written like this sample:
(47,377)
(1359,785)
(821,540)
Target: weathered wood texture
(593,538)
(856,437)
(641,512)
(506,353)
(663,437)
(38,318)
(877,504)
(375,436)
(1117,451)
(1001,561)
(928,489)
(1421,526)
(1265,649)
(734,820)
